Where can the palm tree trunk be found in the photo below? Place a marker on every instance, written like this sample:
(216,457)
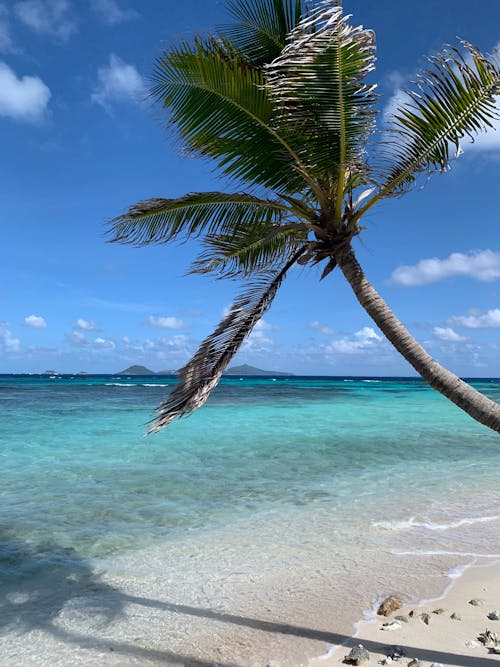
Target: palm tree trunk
(475,404)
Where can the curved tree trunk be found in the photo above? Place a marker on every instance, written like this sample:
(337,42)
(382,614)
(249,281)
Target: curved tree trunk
(474,403)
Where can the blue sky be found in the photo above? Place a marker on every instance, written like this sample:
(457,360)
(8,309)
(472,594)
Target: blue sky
(80,143)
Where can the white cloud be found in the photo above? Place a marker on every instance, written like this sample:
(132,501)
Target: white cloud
(321,327)
(488,141)
(86,325)
(365,339)
(258,340)
(8,342)
(394,80)
(264,325)
(51,17)
(112,13)
(482,265)
(488,320)
(35,321)
(118,82)
(25,98)
(79,339)
(103,344)
(166,322)
(448,334)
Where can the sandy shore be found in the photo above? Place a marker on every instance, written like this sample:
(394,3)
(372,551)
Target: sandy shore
(108,618)
(430,634)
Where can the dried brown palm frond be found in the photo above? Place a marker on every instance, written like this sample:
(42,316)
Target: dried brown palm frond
(202,373)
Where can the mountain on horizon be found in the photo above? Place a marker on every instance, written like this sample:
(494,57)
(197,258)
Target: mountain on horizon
(137,370)
(246,369)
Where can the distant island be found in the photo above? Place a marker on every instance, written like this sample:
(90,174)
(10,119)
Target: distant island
(137,370)
(244,369)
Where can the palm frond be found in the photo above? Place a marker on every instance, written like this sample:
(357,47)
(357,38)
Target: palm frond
(261,27)
(453,100)
(318,87)
(164,220)
(221,109)
(200,375)
(250,250)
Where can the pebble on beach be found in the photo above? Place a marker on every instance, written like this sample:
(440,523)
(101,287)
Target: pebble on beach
(476,602)
(455,616)
(392,625)
(494,615)
(389,605)
(396,652)
(358,656)
(489,639)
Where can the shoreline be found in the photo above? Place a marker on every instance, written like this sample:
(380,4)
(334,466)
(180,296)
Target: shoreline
(432,633)
(199,603)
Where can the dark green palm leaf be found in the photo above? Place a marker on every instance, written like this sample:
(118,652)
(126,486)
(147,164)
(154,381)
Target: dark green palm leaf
(221,109)
(318,86)
(261,27)
(163,220)
(250,250)
(200,375)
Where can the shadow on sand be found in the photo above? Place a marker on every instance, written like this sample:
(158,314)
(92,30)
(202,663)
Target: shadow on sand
(38,581)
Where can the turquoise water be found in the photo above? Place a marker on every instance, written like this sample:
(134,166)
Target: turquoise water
(384,464)
(77,468)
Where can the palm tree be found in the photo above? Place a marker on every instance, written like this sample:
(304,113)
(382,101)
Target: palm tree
(281,102)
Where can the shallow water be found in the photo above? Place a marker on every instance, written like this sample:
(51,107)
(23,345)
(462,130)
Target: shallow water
(368,482)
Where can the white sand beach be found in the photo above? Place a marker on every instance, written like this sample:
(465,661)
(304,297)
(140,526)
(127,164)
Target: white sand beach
(445,631)
(243,598)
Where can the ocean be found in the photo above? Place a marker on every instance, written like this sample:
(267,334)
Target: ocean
(283,498)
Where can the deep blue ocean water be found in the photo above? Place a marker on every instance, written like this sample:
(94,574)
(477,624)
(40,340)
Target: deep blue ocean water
(80,479)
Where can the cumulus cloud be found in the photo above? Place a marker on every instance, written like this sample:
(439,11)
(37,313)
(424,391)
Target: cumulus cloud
(165,346)
(264,325)
(365,339)
(118,82)
(86,325)
(321,327)
(482,265)
(79,339)
(169,350)
(25,99)
(35,321)
(8,342)
(103,344)
(258,340)
(166,322)
(395,80)
(112,13)
(51,17)
(448,334)
(488,320)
